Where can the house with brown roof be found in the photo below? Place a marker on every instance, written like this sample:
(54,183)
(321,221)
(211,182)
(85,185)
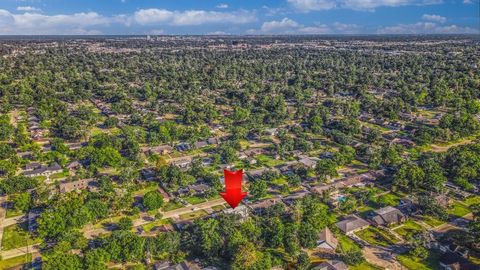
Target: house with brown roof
(351,224)
(331,265)
(76,185)
(326,240)
(387,216)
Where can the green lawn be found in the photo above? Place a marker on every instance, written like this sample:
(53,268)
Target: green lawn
(16,236)
(408,229)
(193,215)
(16,261)
(268,160)
(59,175)
(345,243)
(11,212)
(218,207)
(194,200)
(414,263)
(432,221)
(171,205)
(149,226)
(377,236)
(458,209)
(389,199)
(472,200)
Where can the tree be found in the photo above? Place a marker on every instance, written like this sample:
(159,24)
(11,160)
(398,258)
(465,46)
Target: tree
(353,257)
(303,261)
(326,168)
(22,201)
(62,260)
(258,188)
(152,200)
(125,223)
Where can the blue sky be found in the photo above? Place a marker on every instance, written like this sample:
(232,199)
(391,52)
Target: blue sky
(238,17)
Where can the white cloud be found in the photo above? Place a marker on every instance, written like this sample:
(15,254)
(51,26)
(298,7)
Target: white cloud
(191,17)
(222,6)
(156,32)
(28,8)
(426,28)
(317,5)
(35,23)
(434,18)
(289,26)
(346,28)
(218,33)
(307,5)
(467,2)
(285,24)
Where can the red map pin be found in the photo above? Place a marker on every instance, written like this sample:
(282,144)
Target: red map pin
(233,194)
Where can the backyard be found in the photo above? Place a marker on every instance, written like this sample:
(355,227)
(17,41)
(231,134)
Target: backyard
(414,263)
(408,229)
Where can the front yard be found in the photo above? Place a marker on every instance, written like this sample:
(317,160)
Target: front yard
(408,229)
(414,263)
(16,236)
(458,209)
(377,236)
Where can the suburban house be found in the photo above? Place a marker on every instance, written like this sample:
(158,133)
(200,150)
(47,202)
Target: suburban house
(44,170)
(331,265)
(160,150)
(259,207)
(76,185)
(388,215)
(309,162)
(165,265)
(182,162)
(240,210)
(453,261)
(351,224)
(327,241)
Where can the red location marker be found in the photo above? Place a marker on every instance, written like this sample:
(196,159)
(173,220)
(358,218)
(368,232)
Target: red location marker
(233,194)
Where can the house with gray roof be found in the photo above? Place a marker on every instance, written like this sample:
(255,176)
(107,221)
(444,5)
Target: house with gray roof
(388,215)
(351,224)
(331,265)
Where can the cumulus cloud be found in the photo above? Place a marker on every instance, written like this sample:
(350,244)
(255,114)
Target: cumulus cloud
(30,22)
(28,8)
(191,17)
(426,28)
(346,28)
(35,23)
(434,18)
(317,5)
(307,5)
(289,26)
(222,6)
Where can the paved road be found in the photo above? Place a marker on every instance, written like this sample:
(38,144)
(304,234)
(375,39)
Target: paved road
(12,253)
(170,214)
(3,199)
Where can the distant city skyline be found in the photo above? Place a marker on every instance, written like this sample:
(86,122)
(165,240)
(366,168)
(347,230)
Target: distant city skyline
(261,17)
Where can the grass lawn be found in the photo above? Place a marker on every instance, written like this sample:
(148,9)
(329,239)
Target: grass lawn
(194,200)
(408,229)
(377,236)
(432,221)
(16,261)
(388,199)
(141,192)
(16,236)
(472,200)
(11,212)
(268,160)
(280,181)
(345,243)
(59,175)
(169,206)
(193,215)
(458,209)
(218,207)
(415,263)
(149,226)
